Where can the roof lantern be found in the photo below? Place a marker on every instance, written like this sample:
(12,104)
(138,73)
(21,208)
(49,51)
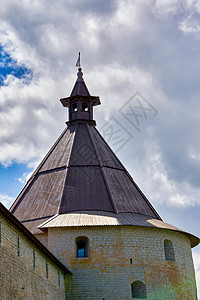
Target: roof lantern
(80,102)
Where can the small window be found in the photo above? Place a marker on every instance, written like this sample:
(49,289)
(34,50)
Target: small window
(74,107)
(82,246)
(85,106)
(169,250)
(139,290)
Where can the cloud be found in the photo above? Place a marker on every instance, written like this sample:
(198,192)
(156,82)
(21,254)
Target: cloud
(24,178)
(153,174)
(6,200)
(168,7)
(191,24)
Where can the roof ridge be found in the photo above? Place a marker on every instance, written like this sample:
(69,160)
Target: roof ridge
(101,169)
(130,177)
(142,194)
(109,147)
(49,152)
(13,206)
(67,168)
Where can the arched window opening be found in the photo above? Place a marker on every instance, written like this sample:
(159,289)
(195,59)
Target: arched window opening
(169,250)
(74,107)
(139,290)
(82,246)
(85,106)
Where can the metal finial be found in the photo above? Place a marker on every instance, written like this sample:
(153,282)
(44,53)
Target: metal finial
(78,63)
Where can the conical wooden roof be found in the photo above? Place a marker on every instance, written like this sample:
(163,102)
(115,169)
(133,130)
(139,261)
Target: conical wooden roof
(81,177)
(80,172)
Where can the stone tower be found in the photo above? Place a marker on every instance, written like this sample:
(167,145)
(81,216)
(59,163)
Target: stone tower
(85,207)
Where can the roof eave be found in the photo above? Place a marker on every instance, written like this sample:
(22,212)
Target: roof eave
(155,223)
(65,101)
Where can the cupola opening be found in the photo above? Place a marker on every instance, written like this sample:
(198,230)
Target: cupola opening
(74,107)
(85,106)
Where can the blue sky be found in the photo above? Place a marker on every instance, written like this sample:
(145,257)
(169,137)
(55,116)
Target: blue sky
(8,66)
(128,48)
(10,178)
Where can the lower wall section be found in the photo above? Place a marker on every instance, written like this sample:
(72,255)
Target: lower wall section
(120,255)
(26,273)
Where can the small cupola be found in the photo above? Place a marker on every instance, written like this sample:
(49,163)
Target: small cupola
(80,103)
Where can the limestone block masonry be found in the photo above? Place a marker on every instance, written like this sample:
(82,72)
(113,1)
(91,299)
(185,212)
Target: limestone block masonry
(120,255)
(25,272)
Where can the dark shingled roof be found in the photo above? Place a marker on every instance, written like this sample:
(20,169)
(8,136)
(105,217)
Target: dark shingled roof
(80,172)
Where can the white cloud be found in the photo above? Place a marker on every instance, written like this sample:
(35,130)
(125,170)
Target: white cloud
(191,24)
(153,175)
(6,200)
(25,177)
(163,189)
(168,7)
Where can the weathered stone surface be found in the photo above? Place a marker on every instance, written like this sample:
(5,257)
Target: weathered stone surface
(107,273)
(18,277)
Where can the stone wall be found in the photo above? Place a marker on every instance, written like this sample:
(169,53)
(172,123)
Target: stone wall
(43,238)
(120,255)
(26,272)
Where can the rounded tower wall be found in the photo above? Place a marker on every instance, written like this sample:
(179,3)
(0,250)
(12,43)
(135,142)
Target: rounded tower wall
(121,255)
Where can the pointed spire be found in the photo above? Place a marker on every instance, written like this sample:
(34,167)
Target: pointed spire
(80,87)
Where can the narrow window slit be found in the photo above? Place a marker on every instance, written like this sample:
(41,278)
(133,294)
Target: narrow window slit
(47,270)
(58,278)
(18,246)
(33,259)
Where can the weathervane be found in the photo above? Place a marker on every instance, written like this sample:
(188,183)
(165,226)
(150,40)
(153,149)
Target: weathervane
(78,63)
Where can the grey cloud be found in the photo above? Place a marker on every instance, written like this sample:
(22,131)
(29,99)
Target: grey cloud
(94,6)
